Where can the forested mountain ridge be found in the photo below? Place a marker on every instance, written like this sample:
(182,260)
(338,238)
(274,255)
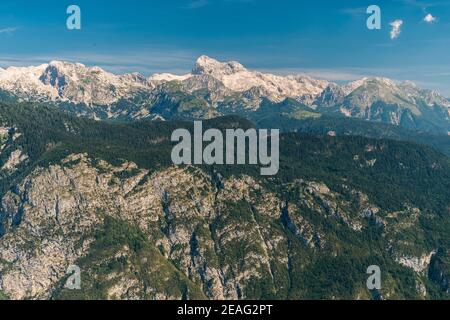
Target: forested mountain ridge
(105,196)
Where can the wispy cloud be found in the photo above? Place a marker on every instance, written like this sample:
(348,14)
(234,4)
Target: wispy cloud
(196,4)
(334,75)
(147,61)
(416,3)
(396,28)
(338,75)
(9,30)
(424,5)
(358,12)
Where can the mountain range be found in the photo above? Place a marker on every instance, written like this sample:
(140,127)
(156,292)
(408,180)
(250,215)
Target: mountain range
(86,179)
(216,88)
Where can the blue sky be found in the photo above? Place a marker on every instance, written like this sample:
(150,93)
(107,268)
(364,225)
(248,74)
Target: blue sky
(323,38)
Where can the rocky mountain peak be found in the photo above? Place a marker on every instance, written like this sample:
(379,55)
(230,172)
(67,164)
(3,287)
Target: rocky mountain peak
(53,75)
(207,65)
(64,64)
(408,83)
(135,77)
(331,96)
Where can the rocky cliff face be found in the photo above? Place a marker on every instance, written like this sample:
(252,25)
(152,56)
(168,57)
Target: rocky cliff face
(50,221)
(106,198)
(171,234)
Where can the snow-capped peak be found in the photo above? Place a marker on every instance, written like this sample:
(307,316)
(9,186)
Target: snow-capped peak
(167,77)
(74,82)
(24,81)
(409,83)
(236,77)
(210,66)
(77,83)
(406,89)
(352,86)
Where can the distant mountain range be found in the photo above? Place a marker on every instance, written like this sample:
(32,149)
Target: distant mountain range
(216,88)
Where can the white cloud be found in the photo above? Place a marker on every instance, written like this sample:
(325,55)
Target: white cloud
(429,18)
(396,28)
